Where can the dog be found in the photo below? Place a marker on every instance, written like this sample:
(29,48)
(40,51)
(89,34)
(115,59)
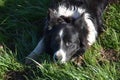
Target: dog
(72,26)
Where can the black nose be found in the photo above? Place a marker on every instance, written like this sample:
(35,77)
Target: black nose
(57,58)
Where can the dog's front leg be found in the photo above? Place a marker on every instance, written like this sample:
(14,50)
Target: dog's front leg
(34,55)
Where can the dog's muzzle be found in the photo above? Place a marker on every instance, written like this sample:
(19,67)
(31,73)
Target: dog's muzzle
(60,56)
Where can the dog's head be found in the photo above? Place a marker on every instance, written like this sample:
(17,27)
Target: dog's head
(63,37)
(64,42)
(72,29)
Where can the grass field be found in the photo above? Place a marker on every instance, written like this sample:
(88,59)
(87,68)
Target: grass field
(21,25)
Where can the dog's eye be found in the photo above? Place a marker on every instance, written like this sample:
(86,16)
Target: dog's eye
(68,43)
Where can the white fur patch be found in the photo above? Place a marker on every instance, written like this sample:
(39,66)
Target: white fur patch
(91,28)
(61,52)
(70,12)
(61,34)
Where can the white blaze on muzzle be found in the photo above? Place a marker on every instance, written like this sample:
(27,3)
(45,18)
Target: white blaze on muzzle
(60,54)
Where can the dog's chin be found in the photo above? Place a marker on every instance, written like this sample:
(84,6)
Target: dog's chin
(62,61)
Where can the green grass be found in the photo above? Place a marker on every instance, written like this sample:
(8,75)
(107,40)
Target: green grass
(21,25)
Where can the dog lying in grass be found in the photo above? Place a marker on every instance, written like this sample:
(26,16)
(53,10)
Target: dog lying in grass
(72,26)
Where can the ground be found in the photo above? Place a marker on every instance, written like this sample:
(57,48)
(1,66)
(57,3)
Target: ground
(21,25)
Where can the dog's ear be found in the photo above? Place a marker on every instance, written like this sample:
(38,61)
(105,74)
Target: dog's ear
(51,14)
(54,19)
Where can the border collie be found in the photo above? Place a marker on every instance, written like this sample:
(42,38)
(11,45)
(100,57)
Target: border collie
(72,26)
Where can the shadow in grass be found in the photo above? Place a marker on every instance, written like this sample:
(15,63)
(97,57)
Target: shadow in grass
(21,24)
(21,27)
(15,75)
(26,74)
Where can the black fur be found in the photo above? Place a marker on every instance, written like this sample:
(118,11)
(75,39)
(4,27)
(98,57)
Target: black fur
(94,7)
(75,30)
